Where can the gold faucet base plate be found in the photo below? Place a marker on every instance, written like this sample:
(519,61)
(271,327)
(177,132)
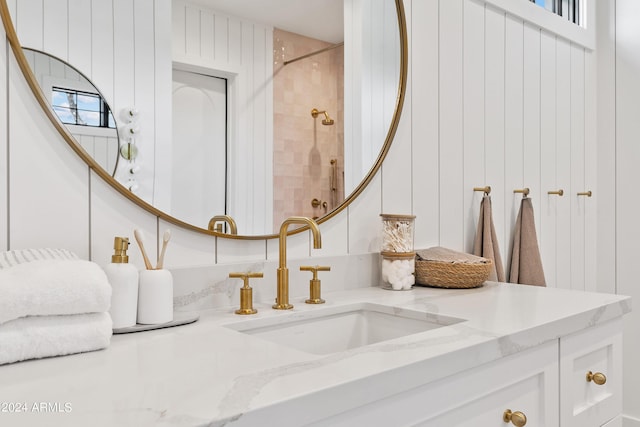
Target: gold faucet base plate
(282,306)
(246,311)
(315,301)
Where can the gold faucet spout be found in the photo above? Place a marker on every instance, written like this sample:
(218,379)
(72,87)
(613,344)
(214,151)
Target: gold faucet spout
(282,298)
(315,230)
(233,228)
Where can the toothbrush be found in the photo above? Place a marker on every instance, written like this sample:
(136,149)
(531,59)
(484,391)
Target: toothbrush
(139,238)
(165,242)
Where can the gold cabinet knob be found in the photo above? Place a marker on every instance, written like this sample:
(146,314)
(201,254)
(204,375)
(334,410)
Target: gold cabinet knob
(314,284)
(246,292)
(517,418)
(598,378)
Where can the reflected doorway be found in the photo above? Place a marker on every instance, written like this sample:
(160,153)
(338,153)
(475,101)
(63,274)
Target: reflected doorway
(199,147)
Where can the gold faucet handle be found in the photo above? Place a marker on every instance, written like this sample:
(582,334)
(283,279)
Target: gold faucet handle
(314,284)
(245,277)
(315,268)
(246,292)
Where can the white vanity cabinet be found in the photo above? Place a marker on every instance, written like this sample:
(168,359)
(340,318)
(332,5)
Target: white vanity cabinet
(520,348)
(596,350)
(526,382)
(547,383)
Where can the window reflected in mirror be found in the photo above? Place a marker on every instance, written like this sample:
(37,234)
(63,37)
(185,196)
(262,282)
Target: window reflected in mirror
(78,104)
(74,107)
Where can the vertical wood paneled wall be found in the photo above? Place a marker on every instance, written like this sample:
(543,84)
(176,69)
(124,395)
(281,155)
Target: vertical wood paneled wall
(117,45)
(618,131)
(513,110)
(491,100)
(371,76)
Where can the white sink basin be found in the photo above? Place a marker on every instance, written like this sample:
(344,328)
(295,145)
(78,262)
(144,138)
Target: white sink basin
(332,329)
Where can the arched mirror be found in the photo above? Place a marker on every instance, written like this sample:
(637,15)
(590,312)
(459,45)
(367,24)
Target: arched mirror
(250,111)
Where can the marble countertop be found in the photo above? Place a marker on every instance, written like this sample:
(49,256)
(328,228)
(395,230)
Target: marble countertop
(207,374)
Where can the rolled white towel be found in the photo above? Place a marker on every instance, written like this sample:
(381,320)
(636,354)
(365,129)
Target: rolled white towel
(53,287)
(46,336)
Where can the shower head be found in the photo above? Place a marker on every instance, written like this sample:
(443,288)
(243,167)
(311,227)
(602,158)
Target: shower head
(327,121)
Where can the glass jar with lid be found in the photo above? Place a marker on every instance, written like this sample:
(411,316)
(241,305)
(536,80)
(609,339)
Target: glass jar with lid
(397,253)
(397,233)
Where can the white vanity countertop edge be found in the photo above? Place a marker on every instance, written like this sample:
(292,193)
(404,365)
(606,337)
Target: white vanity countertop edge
(206,374)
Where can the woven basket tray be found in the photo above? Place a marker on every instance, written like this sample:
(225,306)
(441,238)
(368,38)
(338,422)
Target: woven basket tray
(472,272)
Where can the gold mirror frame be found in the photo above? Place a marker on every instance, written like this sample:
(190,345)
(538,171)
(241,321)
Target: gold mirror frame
(12,37)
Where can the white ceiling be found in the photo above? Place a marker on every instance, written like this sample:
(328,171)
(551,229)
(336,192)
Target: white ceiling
(319,19)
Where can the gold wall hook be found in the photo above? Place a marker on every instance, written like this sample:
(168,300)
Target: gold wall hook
(486,190)
(559,192)
(585,193)
(523,191)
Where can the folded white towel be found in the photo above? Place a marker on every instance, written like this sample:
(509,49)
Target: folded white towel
(11,258)
(46,336)
(53,287)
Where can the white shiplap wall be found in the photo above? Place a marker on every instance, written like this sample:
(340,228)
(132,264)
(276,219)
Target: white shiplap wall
(123,47)
(501,103)
(119,46)
(620,155)
(491,100)
(371,74)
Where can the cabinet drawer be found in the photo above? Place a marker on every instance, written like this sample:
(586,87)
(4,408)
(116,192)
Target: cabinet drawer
(525,382)
(597,350)
(527,395)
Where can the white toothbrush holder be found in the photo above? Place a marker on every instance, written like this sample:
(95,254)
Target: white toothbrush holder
(155,297)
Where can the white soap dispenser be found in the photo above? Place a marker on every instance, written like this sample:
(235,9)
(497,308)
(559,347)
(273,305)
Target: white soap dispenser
(123,278)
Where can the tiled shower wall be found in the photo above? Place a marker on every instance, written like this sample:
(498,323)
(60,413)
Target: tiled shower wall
(303,146)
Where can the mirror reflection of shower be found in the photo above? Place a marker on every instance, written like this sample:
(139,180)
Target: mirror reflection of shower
(327,121)
(308,79)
